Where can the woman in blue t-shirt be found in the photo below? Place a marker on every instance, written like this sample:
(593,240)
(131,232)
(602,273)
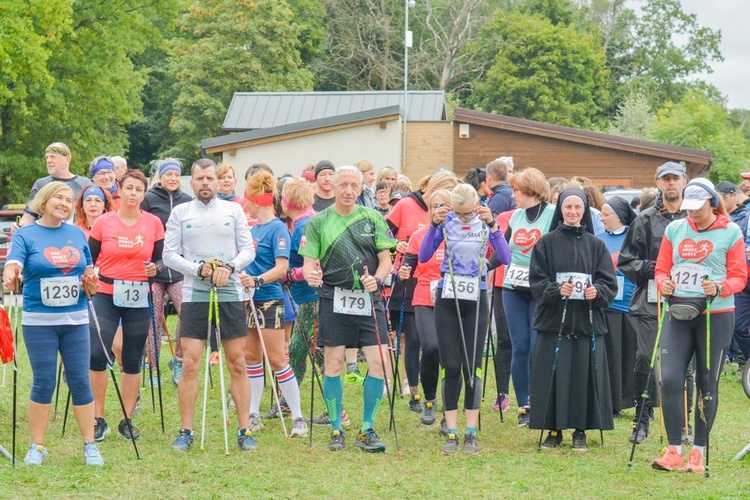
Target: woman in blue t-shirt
(53,260)
(262,275)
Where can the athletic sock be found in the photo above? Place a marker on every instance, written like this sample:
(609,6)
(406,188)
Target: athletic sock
(471,430)
(679,449)
(255,374)
(334,393)
(372,393)
(351,367)
(290,388)
(453,431)
(699,448)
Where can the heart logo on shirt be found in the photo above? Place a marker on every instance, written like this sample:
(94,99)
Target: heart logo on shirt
(65,258)
(699,251)
(615,256)
(528,239)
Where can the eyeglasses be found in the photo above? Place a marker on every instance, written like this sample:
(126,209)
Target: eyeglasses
(437,205)
(465,216)
(105,173)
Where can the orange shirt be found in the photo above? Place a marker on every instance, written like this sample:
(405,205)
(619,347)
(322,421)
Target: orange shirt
(427,272)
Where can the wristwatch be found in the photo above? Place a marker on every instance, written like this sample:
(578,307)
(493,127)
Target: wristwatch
(719,290)
(230,267)
(258,281)
(379,282)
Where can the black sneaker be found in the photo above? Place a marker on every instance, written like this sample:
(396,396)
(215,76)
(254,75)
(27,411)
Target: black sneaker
(101,429)
(125,430)
(338,441)
(579,441)
(471,447)
(523,416)
(443,428)
(428,413)
(451,444)
(639,435)
(322,419)
(370,441)
(414,403)
(554,438)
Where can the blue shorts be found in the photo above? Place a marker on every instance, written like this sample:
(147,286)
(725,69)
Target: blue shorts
(289,316)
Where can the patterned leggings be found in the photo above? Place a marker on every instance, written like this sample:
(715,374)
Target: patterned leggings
(174,290)
(297,348)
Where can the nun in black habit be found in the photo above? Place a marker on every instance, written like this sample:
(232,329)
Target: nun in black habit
(570,264)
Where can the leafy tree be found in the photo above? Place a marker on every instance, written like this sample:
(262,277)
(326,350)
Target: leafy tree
(228,46)
(634,118)
(541,71)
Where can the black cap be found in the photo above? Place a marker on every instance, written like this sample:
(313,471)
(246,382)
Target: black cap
(323,165)
(725,187)
(397,195)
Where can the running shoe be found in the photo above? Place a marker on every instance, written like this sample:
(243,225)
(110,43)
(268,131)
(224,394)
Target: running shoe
(214,360)
(695,462)
(128,431)
(101,429)
(406,390)
(345,422)
(670,461)
(299,427)
(355,377)
(370,441)
(443,428)
(245,440)
(502,402)
(36,455)
(579,441)
(428,413)
(553,440)
(471,447)
(255,422)
(338,441)
(184,441)
(640,433)
(324,419)
(137,404)
(230,400)
(175,364)
(523,416)
(274,411)
(414,403)
(451,445)
(92,455)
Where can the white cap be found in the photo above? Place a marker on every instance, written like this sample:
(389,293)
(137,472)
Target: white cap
(696,193)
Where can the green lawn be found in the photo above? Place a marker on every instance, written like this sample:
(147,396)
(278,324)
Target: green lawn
(507,465)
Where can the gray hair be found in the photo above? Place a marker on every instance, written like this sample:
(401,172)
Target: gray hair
(349,169)
(119,161)
(464,193)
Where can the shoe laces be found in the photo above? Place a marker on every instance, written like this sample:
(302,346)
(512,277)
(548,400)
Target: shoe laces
(695,458)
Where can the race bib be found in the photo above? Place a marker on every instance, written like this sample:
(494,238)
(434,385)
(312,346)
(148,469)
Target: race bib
(354,302)
(688,277)
(60,292)
(579,283)
(130,293)
(433,290)
(620,287)
(517,275)
(467,287)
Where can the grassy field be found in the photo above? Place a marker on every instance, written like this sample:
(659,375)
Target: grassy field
(507,465)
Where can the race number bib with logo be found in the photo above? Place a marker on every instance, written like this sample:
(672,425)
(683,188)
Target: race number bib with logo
(354,302)
(60,292)
(130,293)
(467,287)
(620,287)
(689,277)
(579,281)
(517,275)
(433,290)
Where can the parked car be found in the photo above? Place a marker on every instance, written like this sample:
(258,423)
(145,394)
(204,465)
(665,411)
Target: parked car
(626,194)
(8,216)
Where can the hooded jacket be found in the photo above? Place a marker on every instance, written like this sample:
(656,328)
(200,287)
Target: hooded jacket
(639,252)
(160,202)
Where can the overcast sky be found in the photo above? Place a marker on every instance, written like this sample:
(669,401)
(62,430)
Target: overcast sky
(732,76)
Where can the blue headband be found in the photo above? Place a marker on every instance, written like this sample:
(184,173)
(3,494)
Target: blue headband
(95,191)
(103,164)
(168,166)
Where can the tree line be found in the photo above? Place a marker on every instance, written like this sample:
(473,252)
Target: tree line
(147,79)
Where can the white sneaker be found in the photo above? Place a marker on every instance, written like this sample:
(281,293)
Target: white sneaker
(255,422)
(406,391)
(299,427)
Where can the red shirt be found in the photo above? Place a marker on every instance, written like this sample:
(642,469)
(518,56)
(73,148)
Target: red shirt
(426,272)
(503,220)
(407,216)
(124,249)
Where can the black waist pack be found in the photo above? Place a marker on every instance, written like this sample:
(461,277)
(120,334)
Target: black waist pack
(686,308)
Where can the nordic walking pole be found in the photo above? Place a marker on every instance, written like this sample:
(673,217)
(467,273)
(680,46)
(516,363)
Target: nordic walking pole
(458,307)
(156,349)
(645,395)
(685,408)
(399,331)
(207,371)
(596,374)
(554,367)
(57,389)
(482,259)
(17,289)
(708,396)
(65,416)
(382,363)
(110,365)
(254,312)
(222,388)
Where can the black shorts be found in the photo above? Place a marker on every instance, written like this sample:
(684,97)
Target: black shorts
(270,314)
(194,320)
(350,330)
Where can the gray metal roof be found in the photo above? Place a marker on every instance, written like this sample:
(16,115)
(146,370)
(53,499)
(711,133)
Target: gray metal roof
(257,110)
(249,135)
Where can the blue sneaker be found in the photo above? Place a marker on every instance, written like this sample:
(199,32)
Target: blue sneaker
(184,440)
(36,455)
(175,364)
(245,440)
(92,455)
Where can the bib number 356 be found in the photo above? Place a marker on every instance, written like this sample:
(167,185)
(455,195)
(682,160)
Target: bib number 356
(467,287)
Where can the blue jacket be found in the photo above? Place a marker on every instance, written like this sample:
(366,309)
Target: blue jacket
(501,200)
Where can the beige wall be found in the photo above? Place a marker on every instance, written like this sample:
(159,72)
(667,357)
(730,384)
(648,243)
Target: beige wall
(429,146)
(379,143)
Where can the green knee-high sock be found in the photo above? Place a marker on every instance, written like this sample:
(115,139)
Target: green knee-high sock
(372,393)
(334,393)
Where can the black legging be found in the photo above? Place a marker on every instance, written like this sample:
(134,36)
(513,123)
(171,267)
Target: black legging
(412,348)
(504,350)
(679,341)
(430,364)
(135,325)
(452,354)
